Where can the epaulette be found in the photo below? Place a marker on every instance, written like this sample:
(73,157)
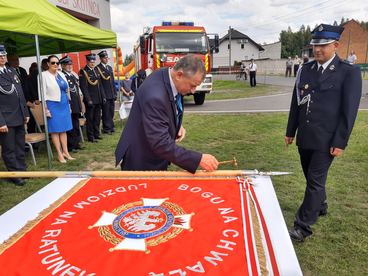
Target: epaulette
(345,62)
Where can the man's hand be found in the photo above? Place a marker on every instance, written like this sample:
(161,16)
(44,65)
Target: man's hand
(336,152)
(4,129)
(208,162)
(181,134)
(288,140)
(26,120)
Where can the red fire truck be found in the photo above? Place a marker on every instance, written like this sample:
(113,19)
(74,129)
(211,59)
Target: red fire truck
(162,46)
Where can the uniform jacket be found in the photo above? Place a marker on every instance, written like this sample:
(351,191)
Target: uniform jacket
(51,87)
(107,80)
(75,100)
(148,139)
(13,109)
(90,84)
(327,118)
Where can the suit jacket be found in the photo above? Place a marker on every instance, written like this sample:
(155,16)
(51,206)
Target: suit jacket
(327,118)
(90,84)
(13,109)
(51,87)
(148,139)
(107,81)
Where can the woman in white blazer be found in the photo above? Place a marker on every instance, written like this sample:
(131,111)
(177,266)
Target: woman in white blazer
(59,121)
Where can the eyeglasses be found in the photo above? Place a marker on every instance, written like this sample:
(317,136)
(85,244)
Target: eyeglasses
(54,62)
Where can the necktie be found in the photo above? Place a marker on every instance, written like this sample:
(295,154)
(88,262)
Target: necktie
(179,108)
(319,72)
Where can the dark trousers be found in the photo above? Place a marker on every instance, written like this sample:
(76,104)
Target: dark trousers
(74,136)
(288,71)
(12,148)
(31,125)
(252,78)
(93,119)
(108,110)
(315,166)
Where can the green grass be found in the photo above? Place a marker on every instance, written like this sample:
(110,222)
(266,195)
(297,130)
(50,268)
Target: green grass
(230,89)
(340,243)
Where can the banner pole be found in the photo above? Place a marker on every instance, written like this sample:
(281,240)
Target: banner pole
(124,174)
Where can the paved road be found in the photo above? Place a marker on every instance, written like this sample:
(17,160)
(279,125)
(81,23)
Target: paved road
(272,103)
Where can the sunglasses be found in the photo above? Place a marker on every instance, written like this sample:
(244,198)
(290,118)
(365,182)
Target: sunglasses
(54,62)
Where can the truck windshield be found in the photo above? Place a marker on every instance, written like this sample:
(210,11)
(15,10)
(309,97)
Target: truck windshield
(181,42)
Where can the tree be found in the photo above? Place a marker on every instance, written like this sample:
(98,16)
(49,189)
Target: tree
(128,59)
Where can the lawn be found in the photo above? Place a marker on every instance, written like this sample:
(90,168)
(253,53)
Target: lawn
(340,243)
(229,89)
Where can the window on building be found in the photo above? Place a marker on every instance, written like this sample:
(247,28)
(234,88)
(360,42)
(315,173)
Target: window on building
(242,46)
(228,46)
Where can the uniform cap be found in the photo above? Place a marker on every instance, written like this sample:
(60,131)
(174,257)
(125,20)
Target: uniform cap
(325,34)
(3,50)
(103,54)
(91,57)
(66,60)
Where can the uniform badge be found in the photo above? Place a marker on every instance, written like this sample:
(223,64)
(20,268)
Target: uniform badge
(306,86)
(16,79)
(301,92)
(141,224)
(332,67)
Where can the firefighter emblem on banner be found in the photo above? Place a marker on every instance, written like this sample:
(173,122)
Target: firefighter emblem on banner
(142,224)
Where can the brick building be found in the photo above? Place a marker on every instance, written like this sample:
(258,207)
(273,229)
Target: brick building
(354,38)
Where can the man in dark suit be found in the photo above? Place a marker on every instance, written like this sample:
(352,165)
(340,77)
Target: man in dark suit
(149,140)
(107,81)
(93,97)
(13,116)
(74,137)
(323,109)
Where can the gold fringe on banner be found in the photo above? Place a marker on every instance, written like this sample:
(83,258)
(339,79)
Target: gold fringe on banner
(32,223)
(258,238)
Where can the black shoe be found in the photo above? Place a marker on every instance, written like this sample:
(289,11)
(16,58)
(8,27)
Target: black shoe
(17,181)
(296,235)
(98,137)
(322,213)
(107,132)
(92,141)
(79,147)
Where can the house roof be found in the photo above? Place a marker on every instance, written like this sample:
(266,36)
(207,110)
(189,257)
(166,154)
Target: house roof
(238,35)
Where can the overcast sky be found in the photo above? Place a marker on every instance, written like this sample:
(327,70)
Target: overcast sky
(261,20)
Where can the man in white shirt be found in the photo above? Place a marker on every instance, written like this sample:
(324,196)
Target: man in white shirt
(252,73)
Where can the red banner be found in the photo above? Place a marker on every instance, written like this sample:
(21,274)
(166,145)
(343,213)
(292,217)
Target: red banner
(146,227)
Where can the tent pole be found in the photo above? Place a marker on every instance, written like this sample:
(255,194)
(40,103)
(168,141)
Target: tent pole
(117,70)
(43,102)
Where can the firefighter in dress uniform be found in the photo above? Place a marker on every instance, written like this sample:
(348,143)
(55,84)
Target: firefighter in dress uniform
(93,97)
(13,115)
(74,137)
(323,109)
(107,80)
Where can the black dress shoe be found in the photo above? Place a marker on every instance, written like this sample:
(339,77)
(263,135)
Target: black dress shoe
(92,141)
(322,213)
(296,235)
(17,181)
(107,132)
(98,137)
